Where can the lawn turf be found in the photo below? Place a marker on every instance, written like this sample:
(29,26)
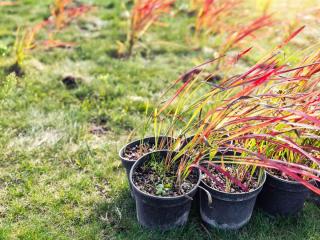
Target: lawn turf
(60,176)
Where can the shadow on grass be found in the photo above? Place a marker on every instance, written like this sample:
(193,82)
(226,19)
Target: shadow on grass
(119,221)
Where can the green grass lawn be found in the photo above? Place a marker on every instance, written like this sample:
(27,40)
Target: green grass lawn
(60,176)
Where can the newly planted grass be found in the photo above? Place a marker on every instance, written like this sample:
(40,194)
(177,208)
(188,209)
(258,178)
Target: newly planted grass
(60,176)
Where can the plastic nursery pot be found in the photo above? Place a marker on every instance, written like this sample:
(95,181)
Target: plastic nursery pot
(315,198)
(228,210)
(282,197)
(157,212)
(127,164)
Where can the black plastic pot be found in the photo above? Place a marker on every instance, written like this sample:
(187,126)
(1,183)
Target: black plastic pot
(228,210)
(282,197)
(315,198)
(127,164)
(157,212)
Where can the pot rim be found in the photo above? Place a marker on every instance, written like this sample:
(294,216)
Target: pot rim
(161,197)
(120,153)
(286,181)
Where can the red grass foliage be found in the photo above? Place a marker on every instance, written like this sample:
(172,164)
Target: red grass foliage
(211,12)
(58,12)
(255,25)
(57,44)
(146,12)
(6,3)
(246,31)
(269,114)
(143,15)
(62,13)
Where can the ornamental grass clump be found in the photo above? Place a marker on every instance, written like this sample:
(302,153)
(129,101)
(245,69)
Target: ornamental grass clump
(24,43)
(144,14)
(58,12)
(230,122)
(27,38)
(62,12)
(211,16)
(296,141)
(236,113)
